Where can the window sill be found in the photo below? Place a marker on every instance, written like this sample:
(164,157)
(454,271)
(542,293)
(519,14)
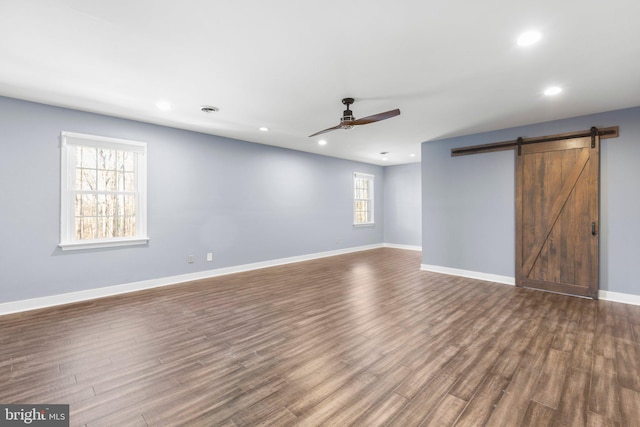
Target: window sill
(97,244)
(368,224)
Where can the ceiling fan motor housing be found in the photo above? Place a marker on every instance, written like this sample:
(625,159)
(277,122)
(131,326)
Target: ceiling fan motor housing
(347,115)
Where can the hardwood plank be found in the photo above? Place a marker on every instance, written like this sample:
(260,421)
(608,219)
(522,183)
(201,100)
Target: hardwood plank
(280,417)
(119,401)
(424,402)
(596,420)
(425,373)
(325,389)
(483,402)
(119,419)
(582,353)
(206,409)
(446,413)
(604,396)
(627,366)
(337,401)
(381,414)
(474,373)
(368,398)
(268,411)
(572,410)
(538,415)
(630,406)
(551,380)
(636,332)
(512,407)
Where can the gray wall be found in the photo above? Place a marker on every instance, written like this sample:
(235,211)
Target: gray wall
(468,213)
(244,202)
(403,205)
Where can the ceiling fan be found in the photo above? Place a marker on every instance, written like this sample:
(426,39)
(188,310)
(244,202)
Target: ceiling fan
(347,121)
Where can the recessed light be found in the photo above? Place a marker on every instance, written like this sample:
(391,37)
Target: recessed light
(529,38)
(384,158)
(553,90)
(163,105)
(412,155)
(209,109)
(322,142)
(264,129)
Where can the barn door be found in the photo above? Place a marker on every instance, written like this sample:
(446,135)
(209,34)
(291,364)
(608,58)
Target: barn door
(557,218)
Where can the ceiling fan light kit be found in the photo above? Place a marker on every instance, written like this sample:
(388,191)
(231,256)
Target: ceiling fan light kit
(348,121)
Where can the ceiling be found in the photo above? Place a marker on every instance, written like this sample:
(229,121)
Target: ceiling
(451,67)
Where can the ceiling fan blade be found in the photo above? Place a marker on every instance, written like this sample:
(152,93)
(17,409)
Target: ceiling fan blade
(326,130)
(376,117)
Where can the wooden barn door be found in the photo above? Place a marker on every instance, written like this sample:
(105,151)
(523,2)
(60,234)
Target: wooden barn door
(557,216)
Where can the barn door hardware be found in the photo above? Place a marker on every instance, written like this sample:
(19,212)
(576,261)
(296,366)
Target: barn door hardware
(603,133)
(519,142)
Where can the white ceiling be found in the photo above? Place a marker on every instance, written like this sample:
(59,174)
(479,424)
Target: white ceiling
(451,67)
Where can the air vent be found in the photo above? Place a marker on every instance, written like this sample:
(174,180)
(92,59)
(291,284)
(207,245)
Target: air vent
(209,109)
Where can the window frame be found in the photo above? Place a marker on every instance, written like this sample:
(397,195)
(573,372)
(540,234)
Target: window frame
(370,200)
(68,143)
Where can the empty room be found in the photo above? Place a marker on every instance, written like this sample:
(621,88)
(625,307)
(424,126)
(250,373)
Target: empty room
(335,214)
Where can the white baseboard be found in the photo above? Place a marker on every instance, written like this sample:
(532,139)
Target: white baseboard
(407,247)
(603,295)
(90,294)
(619,297)
(507,280)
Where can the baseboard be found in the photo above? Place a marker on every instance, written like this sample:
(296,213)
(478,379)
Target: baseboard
(407,247)
(507,280)
(90,294)
(619,297)
(603,295)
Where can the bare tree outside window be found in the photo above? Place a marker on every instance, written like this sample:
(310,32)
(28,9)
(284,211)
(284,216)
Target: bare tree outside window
(105,202)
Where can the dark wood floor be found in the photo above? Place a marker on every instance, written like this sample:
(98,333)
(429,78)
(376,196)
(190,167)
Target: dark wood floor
(360,339)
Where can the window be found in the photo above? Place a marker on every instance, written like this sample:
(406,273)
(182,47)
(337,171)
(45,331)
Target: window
(363,199)
(103,192)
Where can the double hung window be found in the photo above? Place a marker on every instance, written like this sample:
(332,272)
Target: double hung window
(363,199)
(103,192)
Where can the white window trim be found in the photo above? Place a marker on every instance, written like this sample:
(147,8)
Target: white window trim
(68,140)
(371,178)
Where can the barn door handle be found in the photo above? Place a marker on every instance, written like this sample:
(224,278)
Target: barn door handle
(593,228)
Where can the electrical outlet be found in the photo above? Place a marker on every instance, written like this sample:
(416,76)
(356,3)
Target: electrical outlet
(191,259)
(210,256)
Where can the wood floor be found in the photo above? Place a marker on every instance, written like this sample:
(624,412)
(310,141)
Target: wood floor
(360,339)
